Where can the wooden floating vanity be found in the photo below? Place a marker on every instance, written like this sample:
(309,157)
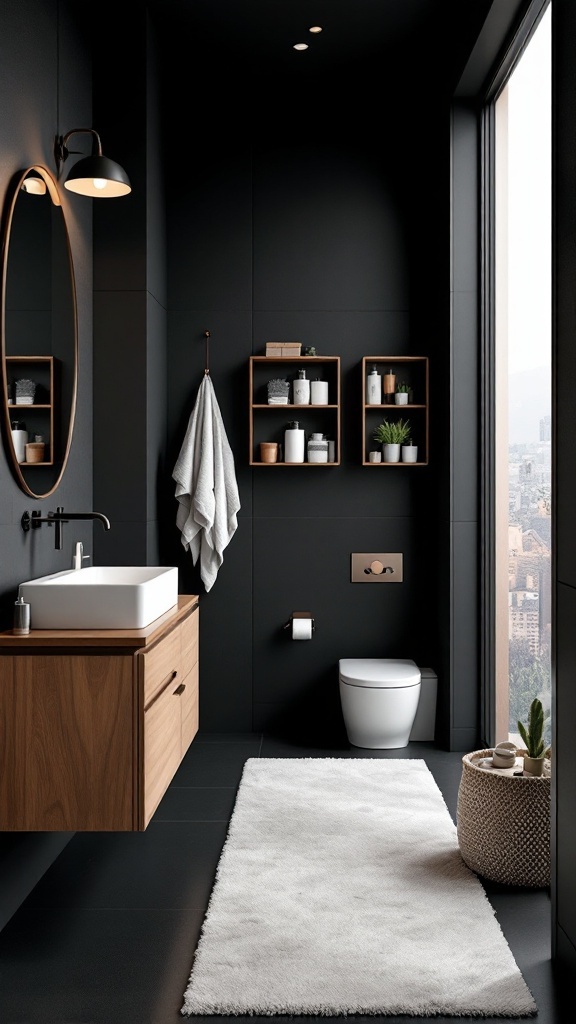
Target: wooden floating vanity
(94,723)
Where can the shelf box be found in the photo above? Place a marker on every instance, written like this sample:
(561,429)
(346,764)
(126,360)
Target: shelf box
(268,422)
(283,349)
(413,370)
(39,416)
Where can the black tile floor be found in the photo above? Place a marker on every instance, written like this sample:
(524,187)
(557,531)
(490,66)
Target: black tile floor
(108,934)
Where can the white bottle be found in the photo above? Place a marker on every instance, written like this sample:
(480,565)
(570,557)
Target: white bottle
(374,388)
(293,443)
(301,389)
(319,392)
(317,448)
(19,440)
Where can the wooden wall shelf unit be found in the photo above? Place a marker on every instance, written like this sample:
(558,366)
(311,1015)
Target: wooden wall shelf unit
(268,422)
(413,370)
(95,722)
(39,417)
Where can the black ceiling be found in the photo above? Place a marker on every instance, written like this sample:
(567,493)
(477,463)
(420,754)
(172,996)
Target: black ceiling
(397,39)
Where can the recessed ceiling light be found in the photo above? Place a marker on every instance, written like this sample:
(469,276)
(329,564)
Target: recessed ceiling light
(300,46)
(315,28)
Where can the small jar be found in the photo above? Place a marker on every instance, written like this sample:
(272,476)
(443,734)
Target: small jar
(317,449)
(319,392)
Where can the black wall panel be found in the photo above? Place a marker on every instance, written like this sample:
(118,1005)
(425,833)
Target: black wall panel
(45,84)
(303,226)
(564,481)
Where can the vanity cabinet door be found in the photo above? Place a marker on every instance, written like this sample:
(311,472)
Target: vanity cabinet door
(189,637)
(94,723)
(162,745)
(189,642)
(169,687)
(66,757)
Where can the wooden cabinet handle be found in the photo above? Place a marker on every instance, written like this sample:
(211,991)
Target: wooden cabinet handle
(179,689)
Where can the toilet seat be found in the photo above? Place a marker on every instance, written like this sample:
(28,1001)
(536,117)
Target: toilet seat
(379,672)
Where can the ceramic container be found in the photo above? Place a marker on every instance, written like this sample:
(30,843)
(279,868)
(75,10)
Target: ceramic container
(268,451)
(409,453)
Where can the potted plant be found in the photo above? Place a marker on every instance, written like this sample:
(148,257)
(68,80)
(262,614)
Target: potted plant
(533,738)
(392,434)
(402,393)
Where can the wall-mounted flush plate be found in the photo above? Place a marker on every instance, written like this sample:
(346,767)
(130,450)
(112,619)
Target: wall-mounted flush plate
(376,567)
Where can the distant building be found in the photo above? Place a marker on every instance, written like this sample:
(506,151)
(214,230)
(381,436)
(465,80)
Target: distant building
(530,587)
(524,619)
(546,428)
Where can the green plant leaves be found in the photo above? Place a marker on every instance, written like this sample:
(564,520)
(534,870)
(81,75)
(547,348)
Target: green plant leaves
(392,431)
(533,737)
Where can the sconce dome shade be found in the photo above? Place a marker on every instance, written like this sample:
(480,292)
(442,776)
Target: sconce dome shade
(98,177)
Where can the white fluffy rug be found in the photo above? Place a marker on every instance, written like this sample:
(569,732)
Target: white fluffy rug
(341,890)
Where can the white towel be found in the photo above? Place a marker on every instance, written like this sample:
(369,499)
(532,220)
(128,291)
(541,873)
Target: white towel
(206,487)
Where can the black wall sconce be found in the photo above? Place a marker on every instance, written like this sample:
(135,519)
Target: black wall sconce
(95,175)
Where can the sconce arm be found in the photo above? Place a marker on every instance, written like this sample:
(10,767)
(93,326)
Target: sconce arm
(61,151)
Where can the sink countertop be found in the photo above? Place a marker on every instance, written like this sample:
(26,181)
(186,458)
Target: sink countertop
(100,637)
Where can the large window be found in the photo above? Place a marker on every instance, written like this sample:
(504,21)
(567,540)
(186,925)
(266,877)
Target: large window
(522,401)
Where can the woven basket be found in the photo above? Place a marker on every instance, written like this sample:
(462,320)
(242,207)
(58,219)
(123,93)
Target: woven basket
(503,823)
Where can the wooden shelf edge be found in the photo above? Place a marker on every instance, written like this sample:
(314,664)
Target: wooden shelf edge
(416,405)
(302,405)
(294,359)
(291,465)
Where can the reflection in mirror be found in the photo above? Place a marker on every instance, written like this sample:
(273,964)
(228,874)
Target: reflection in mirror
(39,341)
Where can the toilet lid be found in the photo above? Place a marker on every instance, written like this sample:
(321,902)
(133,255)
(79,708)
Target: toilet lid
(379,672)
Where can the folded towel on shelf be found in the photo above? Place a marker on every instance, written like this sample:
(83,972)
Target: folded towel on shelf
(206,487)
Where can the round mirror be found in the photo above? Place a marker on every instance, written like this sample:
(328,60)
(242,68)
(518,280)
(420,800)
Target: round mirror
(39,340)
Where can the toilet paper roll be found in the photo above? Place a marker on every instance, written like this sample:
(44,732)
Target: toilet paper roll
(301,629)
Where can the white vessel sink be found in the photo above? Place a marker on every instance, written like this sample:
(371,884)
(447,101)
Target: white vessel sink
(101,597)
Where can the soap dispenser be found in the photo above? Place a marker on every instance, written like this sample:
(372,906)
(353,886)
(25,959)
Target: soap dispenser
(19,439)
(301,388)
(374,387)
(294,443)
(21,617)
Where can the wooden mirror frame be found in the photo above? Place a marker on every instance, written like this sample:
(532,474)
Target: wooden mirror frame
(52,189)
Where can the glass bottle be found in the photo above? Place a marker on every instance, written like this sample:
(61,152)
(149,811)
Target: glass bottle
(389,387)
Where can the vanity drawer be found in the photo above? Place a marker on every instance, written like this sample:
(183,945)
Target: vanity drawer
(161,664)
(162,745)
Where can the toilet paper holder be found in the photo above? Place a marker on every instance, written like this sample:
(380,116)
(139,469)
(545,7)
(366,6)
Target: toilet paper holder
(299,615)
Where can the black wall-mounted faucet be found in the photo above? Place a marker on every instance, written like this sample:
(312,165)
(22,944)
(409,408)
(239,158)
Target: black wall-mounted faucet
(34,520)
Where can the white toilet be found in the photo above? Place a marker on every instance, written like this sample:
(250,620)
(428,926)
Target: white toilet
(379,698)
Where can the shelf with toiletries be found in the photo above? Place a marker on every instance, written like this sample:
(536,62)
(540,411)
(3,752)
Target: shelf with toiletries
(395,389)
(31,405)
(288,390)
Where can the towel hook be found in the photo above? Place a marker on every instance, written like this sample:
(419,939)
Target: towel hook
(206,361)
